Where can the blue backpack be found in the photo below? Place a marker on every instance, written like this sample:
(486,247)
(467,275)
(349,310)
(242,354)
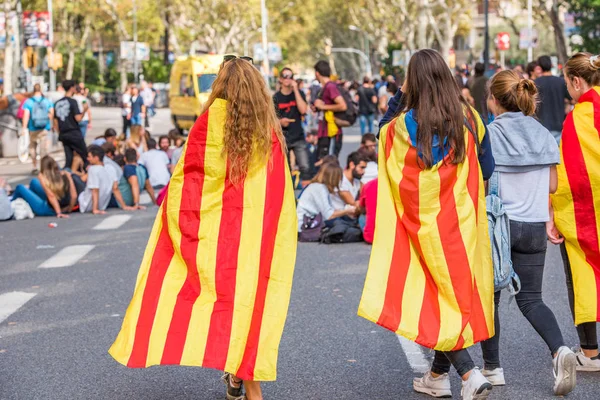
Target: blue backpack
(505,276)
(39,113)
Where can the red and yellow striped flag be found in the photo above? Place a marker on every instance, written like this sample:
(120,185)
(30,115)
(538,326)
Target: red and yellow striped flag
(430,278)
(214,286)
(577,202)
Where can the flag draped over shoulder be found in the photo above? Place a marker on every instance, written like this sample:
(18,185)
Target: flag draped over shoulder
(430,277)
(576,203)
(214,285)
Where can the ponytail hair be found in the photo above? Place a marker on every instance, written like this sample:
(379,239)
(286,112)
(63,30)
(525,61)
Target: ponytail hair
(585,66)
(513,93)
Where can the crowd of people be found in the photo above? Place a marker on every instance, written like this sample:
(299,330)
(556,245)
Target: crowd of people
(112,172)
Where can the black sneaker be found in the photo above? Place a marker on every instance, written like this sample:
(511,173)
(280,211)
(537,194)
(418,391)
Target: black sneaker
(234,389)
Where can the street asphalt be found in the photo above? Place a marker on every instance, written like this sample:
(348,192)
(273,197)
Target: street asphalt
(55,345)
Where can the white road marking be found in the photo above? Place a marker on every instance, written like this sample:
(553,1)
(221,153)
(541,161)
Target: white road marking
(67,256)
(17,179)
(112,222)
(145,199)
(414,355)
(11,302)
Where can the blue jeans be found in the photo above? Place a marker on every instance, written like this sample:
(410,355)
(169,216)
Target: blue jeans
(35,197)
(137,120)
(83,126)
(366,121)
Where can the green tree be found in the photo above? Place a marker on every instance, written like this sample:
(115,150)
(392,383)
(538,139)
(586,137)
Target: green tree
(588,22)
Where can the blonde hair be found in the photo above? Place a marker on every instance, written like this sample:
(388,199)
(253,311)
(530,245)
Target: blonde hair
(514,93)
(585,66)
(330,175)
(251,119)
(52,176)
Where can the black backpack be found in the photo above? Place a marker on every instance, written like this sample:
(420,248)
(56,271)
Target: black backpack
(346,118)
(342,231)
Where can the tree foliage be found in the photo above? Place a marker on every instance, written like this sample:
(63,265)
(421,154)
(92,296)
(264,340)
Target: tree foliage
(587,17)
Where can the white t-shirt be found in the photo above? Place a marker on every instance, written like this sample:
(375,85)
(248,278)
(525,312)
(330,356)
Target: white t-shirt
(157,164)
(530,205)
(113,168)
(315,200)
(345,186)
(126,100)
(79,99)
(99,178)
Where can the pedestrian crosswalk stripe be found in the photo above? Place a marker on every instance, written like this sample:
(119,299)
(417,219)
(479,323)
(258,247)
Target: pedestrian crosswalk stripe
(67,256)
(112,222)
(11,302)
(414,355)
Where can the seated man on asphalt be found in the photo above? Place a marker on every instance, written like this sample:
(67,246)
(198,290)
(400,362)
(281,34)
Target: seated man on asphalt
(177,154)
(110,136)
(116,173)
(350,186)
(134,180)
(164,144)
(368,149)
(157,163)
(99,184)
(368,206)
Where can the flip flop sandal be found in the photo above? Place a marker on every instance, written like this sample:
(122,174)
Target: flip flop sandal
(233,392)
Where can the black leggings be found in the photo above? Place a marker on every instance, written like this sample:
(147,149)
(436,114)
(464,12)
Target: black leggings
(461,360)
(588,336)
(528,254)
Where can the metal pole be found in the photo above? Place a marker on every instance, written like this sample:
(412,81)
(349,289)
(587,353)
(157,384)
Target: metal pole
(135,43)
(530,31)
(486,35)
(51,49)
(265,40)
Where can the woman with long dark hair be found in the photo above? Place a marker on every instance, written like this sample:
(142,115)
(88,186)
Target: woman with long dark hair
(435,256)
(214,286)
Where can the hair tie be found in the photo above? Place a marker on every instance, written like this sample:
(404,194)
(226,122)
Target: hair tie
(593,59)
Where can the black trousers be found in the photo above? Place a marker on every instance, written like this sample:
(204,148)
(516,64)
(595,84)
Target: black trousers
(72,142)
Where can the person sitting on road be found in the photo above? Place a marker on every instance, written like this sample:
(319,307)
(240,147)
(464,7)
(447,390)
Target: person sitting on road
(52,193)
(368,149)
(99,184)
(350,185)
(134,180)
(137,139)
(6,211)
(38,112)
(116,173)
(316,197)
(368,206)
(164,144)
(157,164)
(180,143)
(110,136)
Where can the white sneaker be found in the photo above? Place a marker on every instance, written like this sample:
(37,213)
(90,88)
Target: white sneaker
(476,387)
(495,376)
(587,364)
(565,364)
(435,387)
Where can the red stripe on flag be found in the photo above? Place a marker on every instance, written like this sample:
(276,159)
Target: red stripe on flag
(583,200)
(230,232)
(480,331)
(389,140)
(453,245)
(391,313)
(189,224)
(163,253)
(473,178)
(275,192)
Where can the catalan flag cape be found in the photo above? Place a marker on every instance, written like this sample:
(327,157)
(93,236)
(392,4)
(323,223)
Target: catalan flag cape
(214,285)
(430,278)
(576,203)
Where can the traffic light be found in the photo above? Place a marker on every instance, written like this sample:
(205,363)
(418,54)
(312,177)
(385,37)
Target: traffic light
(55,60)
(30,58)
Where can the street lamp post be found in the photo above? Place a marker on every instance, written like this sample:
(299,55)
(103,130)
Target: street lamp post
(52,72)
(367,47)
(265,40)
(135,43)
(486,35)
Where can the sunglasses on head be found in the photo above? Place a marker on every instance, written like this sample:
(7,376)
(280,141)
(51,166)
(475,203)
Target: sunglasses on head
(230,57)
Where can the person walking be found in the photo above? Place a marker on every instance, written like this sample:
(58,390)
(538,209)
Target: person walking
(82,99)
(52,193)
(478,89)
(126,111)
(526,156)
(434,257)
(38,112)
(291,106)
(575,204)
(553,95)
(67,117)
(220,261)
(367,106)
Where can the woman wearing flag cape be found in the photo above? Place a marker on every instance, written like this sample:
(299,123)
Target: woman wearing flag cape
(430,278)
(214,285)
(576,204)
